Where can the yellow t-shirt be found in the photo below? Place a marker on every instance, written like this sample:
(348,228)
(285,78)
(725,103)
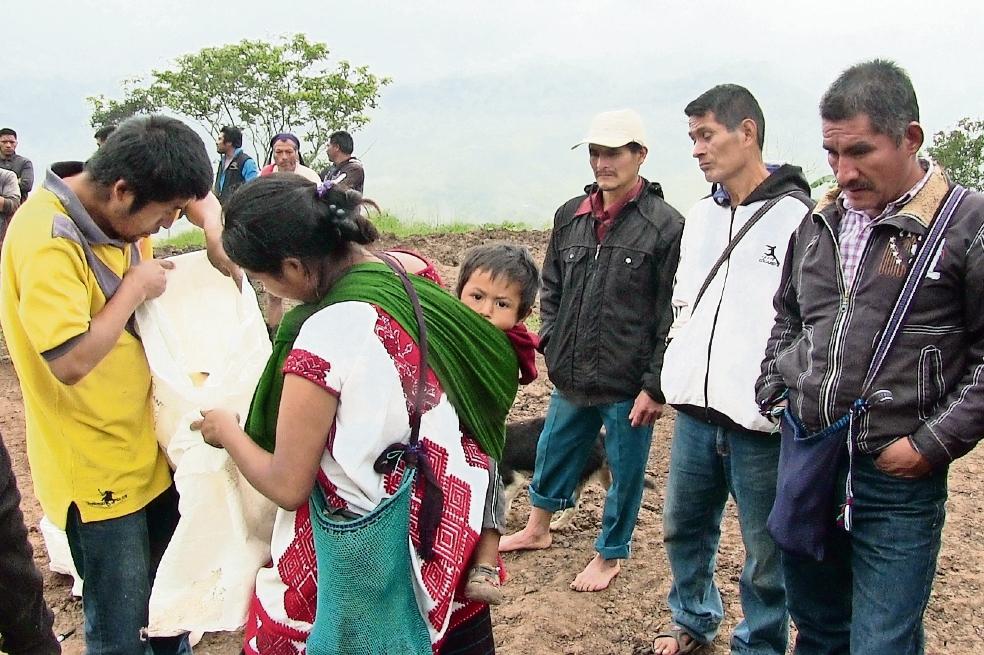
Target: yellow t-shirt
(146,248)
(91,443)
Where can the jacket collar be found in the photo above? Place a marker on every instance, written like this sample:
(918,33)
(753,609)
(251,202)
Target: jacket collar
(921,209)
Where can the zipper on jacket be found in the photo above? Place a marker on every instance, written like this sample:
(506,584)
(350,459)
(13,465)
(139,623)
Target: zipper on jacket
(826,401)
(717,313)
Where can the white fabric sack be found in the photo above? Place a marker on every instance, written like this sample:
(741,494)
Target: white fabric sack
(207,345)
(59,554)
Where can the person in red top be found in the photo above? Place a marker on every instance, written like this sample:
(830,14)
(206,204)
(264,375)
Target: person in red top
(499,281)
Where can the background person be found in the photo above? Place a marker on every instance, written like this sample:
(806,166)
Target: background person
(10,199)
(340,149)
(235,166)
(845,268)
(71,280)
(102,134)
(722,445)
(285,149)
(21,166)
(605,312)
(335,396)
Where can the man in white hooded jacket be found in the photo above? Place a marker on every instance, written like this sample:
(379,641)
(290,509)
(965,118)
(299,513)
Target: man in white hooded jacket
(722,445)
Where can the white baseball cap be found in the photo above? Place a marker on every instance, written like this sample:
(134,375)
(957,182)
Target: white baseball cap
(614,129)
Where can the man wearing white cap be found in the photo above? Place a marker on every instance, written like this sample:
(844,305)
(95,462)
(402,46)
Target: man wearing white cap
(605,311)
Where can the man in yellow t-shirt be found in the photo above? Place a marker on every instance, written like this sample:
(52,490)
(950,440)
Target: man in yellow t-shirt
(70,279)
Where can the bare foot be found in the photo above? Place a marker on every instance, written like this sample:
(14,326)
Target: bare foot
(597,575)
(529,538)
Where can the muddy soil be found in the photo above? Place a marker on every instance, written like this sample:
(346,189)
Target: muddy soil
(541,615)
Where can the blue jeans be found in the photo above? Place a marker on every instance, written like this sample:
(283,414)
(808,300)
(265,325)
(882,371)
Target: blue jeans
(869,594)
(118,559)
(567,439)
(707,463)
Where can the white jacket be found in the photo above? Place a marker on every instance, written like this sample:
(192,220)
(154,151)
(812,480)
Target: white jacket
(715,353)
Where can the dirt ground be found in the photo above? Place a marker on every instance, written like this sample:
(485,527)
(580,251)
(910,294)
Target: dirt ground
(541,615)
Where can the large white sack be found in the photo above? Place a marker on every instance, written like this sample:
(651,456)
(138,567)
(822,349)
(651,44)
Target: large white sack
(59,553)
(203,324)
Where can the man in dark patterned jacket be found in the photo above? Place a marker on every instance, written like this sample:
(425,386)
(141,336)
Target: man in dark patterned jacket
(845,267)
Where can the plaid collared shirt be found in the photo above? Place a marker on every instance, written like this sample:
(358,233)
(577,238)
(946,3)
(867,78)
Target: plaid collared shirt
(855,227)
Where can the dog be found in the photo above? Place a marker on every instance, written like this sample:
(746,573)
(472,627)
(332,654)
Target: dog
(519,457)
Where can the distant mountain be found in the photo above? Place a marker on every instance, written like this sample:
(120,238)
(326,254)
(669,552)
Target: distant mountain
(498,147)
(491,147)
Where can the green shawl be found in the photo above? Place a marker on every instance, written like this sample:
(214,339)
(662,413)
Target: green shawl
(473,360)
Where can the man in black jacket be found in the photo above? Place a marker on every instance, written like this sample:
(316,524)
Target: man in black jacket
(605,311)
(25,619)
(845,267)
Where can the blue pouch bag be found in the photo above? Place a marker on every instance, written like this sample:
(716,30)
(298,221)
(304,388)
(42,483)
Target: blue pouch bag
(805,508)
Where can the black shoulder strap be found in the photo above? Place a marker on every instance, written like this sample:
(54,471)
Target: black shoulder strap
(759,213)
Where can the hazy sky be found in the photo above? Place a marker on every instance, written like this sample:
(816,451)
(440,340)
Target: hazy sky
(58,51)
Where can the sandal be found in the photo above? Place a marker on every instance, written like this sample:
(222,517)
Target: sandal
(686,643)
(483,585)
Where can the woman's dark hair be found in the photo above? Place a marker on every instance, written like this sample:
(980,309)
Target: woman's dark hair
(284,215)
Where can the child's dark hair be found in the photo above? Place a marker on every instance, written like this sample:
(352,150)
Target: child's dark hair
(284,215)
(513,262)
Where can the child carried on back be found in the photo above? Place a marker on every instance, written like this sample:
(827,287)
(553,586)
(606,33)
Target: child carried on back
(499,281)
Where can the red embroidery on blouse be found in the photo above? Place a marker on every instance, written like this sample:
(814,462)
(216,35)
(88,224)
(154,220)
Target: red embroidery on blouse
(454,540)
(310,367)
(474,455)
(406,358)
(331,491)
(298,568)
(271,637)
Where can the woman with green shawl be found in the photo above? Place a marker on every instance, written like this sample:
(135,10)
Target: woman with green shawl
(339,390)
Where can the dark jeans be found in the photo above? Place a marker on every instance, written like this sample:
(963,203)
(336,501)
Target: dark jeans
(569,435)
(707,464)
(25,620)
(868,595)
(118,559)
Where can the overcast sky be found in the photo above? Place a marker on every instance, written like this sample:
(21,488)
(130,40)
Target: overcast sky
(58,51)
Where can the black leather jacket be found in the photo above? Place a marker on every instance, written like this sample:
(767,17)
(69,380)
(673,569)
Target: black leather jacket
(605,307)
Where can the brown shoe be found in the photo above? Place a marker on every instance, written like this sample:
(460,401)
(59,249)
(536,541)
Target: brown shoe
(483,585)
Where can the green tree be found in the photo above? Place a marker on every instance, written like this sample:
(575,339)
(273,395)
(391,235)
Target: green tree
(263,88)
(961,153)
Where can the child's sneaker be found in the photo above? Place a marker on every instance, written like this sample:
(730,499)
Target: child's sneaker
(483,585)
